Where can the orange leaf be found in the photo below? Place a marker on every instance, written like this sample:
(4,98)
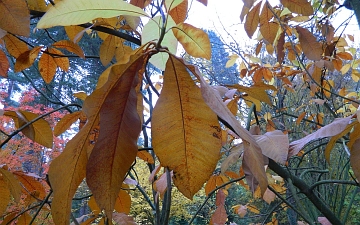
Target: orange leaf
(108,49)
(70,46)
(14,46)
(179,13)
(47,67)
(26,59)
(252,20)
(300,117)
(310,46)
(123,202)
(269,31)
(66,122)
(188,120)
(194,40)
(345,55)
(15,17)
(4,64)
(12,183)
(280,48)
(116,103)
(147,157)
(298,6)
(4,195)
(256,91)
(31,183)
(24,219)
(74,32)
(62,62)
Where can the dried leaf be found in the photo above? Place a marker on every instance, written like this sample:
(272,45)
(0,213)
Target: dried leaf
(220,215)
(256,91)
(47,67)
(252,20)
(275,145)
(123,219)
(269,196)
(179,13)
(123,202)
(14,46)
(311,47)
(12,183)
(66,122)
(298,6)
(5,196)
(31,184)
(144,155)
(71,47)
(355,157)
(280,48)
(26,59)
(108,49)
(232,158)
(4,64)
(300,117)
(15,17)
(187,121)
(60,60)
(332,129)
(194,40)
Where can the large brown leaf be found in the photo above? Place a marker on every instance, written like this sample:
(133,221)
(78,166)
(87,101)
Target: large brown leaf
(120,125)
(310,46)
(252,20)
(355,158)
(15,17)
(186,133)
(298,6)
(253,152)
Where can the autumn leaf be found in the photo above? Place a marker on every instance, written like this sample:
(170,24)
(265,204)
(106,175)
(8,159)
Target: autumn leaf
(24,219)
(332,129)
(256,91)
(280,48)
(253,152)
(4,195)
(232,158)
(31,183)
(302,7)
(117,105)
(108,49)
(37,5)
(179,13)
(355,157)
(26,59)
(12,183)
(268,29)
(231,61)
(194,40)
(47,67)
(220,215)
(187,121)
(311,47)
(274,144)
(146,156)
(123,202)
(123,219)
(4,64)
(69,12)
(14,46)
(15,17)
(300,117)
(241,210)
(171,4)
(66,122)
(70,46)
(252,20)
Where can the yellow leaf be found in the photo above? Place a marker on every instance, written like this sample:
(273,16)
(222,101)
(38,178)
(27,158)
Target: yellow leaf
(298,6)
(15,17)
(47,67)
(43,132)
(12,184)
(14,46)
(252,20)
(194,40)
(4,195)
(31,183)
(231,61)
(151,32)
(334,138)
(123,53)
(26,59)
(188,120)
(108,49)
(4,64)
(310,46)
(269,31)
(24,219)
(93,206)
(345,69)
(74,33)
(69,12)
(116,103)
(345,55)
(70,46)
(66,122)
(256,91)
(80,95)
(253,209)
(179,13)
(37,5)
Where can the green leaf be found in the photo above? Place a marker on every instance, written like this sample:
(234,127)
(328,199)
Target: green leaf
(70,12)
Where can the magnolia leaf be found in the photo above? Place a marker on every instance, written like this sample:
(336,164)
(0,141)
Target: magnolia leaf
(5,196)
(252,20)
(123,219)
(12,184)
(66,122)
(256,91)
(47,67)
(15,17)
(179,13)
(117,102)
(298,6)
(4,64)
(123,202)
(355,157)
(253,152)
(70,46)
(310,46)
(14,46)
(332,129)
(69,12)
(26,59)
(187,121)
(147,157)
(151,32)
(275,145)
(194,40)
